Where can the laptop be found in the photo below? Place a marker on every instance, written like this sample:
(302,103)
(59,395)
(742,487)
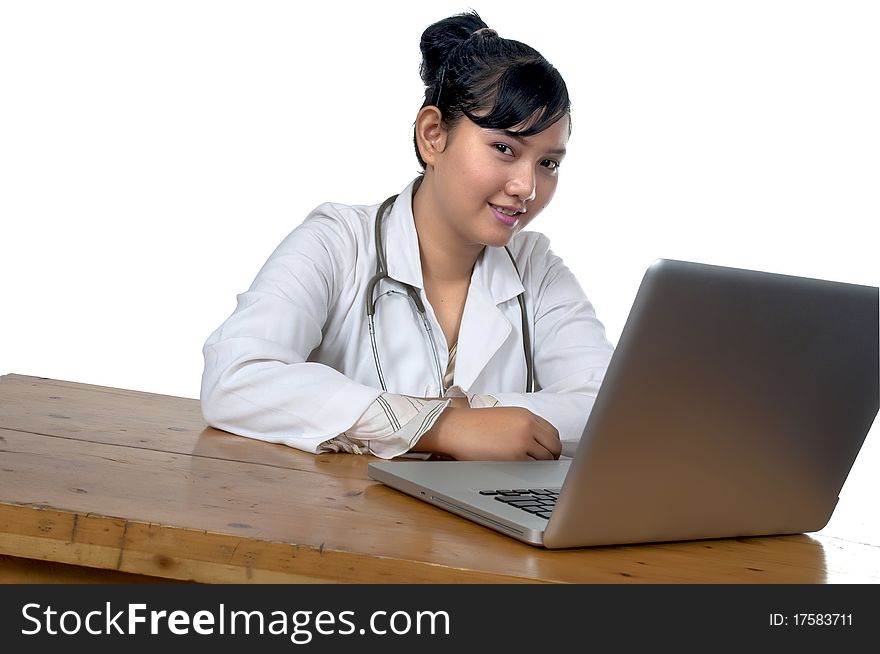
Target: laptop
(734,405)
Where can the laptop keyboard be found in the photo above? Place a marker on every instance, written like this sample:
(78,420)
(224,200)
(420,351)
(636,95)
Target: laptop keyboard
(538,501)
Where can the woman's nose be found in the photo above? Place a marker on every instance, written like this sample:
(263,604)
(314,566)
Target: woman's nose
(522,184)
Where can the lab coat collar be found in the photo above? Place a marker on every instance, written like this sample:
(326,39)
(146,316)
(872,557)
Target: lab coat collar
(494,273)
(402,242)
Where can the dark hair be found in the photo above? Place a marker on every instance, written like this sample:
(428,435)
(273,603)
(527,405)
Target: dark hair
(467,68)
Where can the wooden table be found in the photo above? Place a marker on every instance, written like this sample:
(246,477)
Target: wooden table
(103,484)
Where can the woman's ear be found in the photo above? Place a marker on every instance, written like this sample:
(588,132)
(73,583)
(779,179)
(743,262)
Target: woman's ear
(431,134)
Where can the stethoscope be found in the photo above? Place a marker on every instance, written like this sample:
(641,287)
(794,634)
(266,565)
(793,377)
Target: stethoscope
(382,273)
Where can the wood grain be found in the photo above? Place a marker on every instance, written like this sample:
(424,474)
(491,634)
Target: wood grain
(15,570)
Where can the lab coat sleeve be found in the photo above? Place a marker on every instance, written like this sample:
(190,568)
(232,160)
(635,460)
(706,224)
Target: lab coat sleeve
(257,381)
(570,348)
(390,427)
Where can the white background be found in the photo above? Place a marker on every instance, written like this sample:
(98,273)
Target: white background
(153,154)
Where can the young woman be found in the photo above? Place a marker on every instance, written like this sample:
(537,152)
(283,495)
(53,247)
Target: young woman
(431,323)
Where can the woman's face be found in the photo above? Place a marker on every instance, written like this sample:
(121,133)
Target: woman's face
(483,175)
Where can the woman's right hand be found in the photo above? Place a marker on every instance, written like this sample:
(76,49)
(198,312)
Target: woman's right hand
(492,434)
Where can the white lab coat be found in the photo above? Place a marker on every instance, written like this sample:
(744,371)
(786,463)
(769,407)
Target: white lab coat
(294,364)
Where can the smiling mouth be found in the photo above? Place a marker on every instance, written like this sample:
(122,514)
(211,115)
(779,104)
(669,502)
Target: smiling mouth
(505,215)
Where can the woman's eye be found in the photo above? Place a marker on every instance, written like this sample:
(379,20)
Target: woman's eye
(503,149)
(550,163)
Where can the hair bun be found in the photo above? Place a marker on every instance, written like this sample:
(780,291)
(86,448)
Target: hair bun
(441,38)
